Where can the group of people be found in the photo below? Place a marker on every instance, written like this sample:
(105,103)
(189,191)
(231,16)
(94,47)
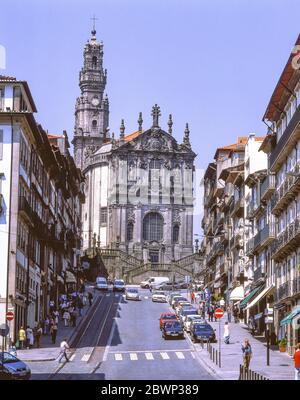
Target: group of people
(28,337)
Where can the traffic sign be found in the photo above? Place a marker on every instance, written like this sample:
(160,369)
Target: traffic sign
(4,330)
(10,315)
(219,313)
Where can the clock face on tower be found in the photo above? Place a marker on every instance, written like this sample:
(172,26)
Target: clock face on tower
(95,101)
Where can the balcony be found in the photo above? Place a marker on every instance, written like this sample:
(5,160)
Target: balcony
(208,199)
(258,275)
(25,209)
(217,250)
(264,237)
(267,187)
(250,247)
(284,291)
(238,208)
(286,192)
(287,241)
(39,225)
(296,286)
(281,146)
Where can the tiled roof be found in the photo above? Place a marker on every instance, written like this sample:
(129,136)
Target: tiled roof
(7,78)
(132,136)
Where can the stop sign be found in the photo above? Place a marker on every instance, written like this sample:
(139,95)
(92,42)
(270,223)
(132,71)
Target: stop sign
(9,315)
(219,313)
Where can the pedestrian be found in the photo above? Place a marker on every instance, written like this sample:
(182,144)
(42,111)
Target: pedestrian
(38,335)
(53,332)
(229,314)
(226,333)
(73,317)
(90,297)
(252,325)
(13,349)
(63,350)
(51,305)
(192,297)
(297,362)
(66,317)
(22,337)
(247,354)
(210,313)
(236,314)
(222,303)
(80,305)
(55,316)
(46,325)
(29,337)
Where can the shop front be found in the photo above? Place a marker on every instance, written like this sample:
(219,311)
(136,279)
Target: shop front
(289,328)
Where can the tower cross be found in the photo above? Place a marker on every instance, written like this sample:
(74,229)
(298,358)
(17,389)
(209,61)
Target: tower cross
(155,114)
(94,19)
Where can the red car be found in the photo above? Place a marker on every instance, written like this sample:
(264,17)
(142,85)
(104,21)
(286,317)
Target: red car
(166,317)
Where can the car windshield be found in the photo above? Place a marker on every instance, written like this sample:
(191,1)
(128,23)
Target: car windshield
(158,292)
(189,312)
(172,325)
(169,316)
(177,299)
(132,290)
(205,327)
(7,358)
(119,283)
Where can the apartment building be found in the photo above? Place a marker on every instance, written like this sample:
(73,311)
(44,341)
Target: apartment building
(41,197)
(282,145)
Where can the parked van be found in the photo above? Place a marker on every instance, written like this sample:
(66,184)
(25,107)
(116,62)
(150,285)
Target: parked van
(101,283)
(153,282)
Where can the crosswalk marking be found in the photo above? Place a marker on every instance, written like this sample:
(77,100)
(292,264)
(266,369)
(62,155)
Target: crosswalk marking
(133,356)
(86,357)
(193,355)
(146,297)
(179,355)
(107,294)
(165,356)
(72,357)
(149,356)
(118,357)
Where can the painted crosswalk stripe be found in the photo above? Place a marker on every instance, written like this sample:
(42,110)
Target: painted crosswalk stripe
(86,357)
(193,355)
(72,357)
(118,357)
(133,356)
(149,356)
(107,294)
(146,297)
(179,355)
(165,356)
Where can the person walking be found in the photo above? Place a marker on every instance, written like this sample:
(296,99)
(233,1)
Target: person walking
(226,333)
(53,332)
(90,298)
(192,297)
(80,305)
(236,314)
(73,317)
(66,317)
(29,337)
(297,362)
(38,335)
(64,347)
(22,337)
(247,354)
(46,325)
(228,314)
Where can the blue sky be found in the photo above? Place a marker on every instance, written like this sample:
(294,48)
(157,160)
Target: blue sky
(212,63)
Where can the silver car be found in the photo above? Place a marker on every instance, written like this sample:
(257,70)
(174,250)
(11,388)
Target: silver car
(132,294)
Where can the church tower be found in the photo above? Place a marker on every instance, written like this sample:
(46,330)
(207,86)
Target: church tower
(92,107)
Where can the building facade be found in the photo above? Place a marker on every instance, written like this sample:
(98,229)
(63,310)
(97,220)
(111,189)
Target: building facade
(41,196)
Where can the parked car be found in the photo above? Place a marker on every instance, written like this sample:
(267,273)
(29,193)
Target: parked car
(202,331)
(132,294)
(185,311)
(166,286)
(181,304)
(189,319)
(166,317)
(159,296)
(154,280)
(171,295)
(11,368)
(101,283)
(119,285)
(172,329)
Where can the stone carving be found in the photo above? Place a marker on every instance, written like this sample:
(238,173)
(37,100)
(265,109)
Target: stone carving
(131,215)
(176,217)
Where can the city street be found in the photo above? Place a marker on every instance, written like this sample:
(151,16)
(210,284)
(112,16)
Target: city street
(122,340)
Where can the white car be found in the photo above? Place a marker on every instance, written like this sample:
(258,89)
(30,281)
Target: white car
(101,283)
(119,285)
(181,304)
(188,321)
(159,297)
(132,294)
(153,280)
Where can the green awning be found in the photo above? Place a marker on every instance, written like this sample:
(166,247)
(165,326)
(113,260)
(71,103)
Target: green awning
(246,300)
(289,318)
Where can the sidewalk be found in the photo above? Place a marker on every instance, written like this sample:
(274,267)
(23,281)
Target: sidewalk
(281,364)
(49,351)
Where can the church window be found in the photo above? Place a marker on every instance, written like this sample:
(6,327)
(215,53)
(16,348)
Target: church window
(154,164)
(129,231)
(94,62)
(153,227)
(175,234)
(94,123)
(103,216)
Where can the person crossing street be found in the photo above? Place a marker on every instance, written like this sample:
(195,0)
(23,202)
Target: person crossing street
(64,347)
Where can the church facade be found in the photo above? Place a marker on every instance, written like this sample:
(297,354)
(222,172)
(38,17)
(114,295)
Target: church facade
(139,186)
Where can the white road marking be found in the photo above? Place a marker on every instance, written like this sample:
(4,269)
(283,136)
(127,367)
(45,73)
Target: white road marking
(146,297)
(118,357)
(133,356)
(107,294)
(149,356)
(179,355)
(109,341)
(86,357)
(193,355)
(165,356)
(72,357)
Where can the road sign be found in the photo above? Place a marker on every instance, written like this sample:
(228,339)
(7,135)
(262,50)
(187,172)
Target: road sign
(4,330)
(10,315)
(219,313)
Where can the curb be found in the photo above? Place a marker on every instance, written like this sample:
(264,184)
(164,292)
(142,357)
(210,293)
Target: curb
(40,359)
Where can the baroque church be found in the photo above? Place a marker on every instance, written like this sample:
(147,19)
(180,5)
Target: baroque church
(139,186)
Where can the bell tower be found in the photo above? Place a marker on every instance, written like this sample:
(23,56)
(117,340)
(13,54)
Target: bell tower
(92,107)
